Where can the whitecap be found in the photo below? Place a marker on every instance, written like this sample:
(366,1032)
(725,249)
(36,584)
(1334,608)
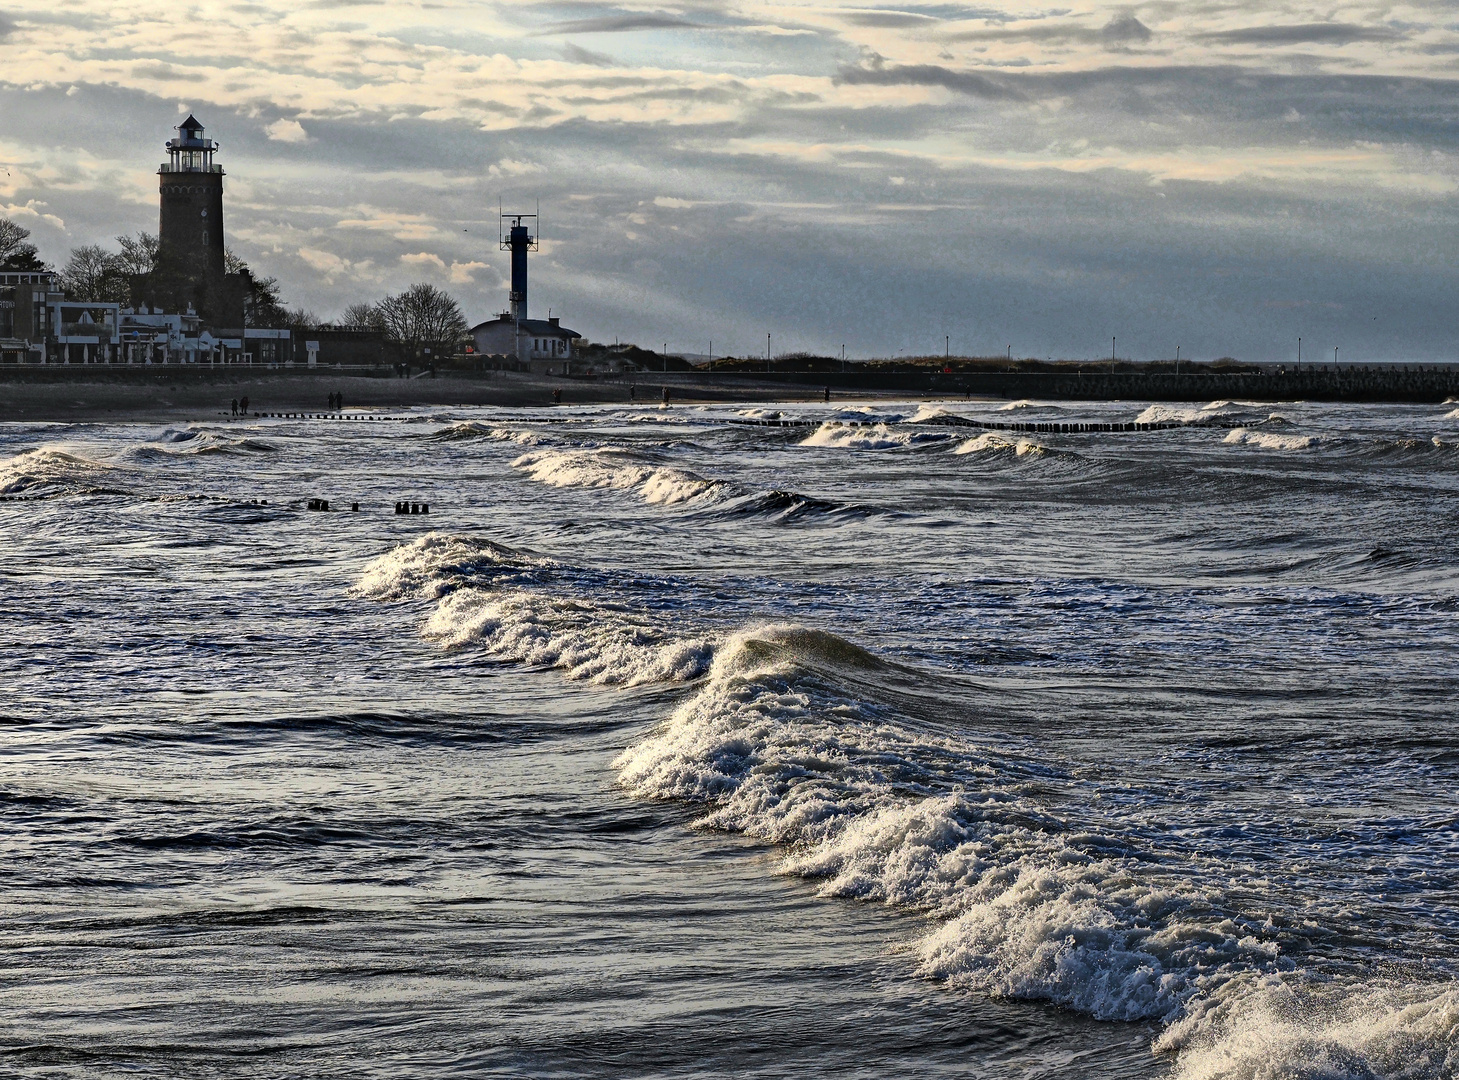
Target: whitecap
(877,437)
(1267,440)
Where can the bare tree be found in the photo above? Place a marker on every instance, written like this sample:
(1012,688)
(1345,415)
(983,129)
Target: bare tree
(138,254)
(94,274)
(362,317)
(423,317)
(16,250)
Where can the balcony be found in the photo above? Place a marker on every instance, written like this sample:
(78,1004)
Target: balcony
(166,168)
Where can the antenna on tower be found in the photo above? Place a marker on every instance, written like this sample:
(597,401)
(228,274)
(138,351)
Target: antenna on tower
(519,239)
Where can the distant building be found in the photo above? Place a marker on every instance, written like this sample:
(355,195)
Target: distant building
(24,295)
(542,345)
(191,271)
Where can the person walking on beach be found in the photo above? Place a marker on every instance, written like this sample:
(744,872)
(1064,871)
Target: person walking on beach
(243,406)
(235,406)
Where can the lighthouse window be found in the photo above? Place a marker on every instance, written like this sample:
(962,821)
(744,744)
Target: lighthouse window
(205,238)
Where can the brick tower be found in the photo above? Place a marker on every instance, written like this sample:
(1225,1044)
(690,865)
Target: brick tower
(190,232)
(190,266)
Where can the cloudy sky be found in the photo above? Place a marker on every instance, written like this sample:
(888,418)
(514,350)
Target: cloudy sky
(1220,176)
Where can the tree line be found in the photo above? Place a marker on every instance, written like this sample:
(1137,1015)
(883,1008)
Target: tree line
(419,319)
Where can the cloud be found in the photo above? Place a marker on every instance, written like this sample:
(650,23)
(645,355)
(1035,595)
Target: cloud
(1120,30)
(889,19)
(576,54)
(287,131)
(617,24)
(425,260)
(972,83)
(7,26)
(464,273)
(1329,33)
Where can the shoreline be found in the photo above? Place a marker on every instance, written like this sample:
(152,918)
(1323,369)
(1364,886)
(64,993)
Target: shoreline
(98,398)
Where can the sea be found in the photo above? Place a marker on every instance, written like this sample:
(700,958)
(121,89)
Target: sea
(839,739)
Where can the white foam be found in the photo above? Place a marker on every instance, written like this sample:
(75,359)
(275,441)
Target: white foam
(773,744)
(436,564)
(583,640)
(608,468)
(1267,440)
(781,755)
(1452,414)
(878,437)
(1265,1029)
(989,443)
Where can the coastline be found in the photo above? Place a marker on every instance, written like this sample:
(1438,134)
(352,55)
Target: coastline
(171,397)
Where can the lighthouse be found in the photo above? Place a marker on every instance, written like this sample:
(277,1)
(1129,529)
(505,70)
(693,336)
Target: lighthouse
(190,229)
(191,271)
(541,345)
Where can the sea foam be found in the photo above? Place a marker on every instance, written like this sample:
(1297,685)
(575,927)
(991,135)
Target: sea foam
(795,736)
(610,468)
(877,437)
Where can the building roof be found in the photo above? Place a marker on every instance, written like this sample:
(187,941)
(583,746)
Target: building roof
(530,327)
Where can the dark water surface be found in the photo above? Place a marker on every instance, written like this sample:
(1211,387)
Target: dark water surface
(671,746)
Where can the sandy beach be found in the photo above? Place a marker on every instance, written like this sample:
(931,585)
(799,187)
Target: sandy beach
(181,396)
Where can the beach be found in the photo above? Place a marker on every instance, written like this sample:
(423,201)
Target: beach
(178,395)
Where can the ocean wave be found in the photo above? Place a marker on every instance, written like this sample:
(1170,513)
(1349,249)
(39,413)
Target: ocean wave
(1268,440)
(49,470)
(776,748)
(1269,1028)
(612,468)
(662,485)
(584,640)
(196,442)
(990,443)
(437,564)
(1027,403)
(798,737)
(474,429)
(835,434)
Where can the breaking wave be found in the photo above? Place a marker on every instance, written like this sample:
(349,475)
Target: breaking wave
(664,485)
(1267,440)
(989,443)
(192,442)
(834,433)
(473,429)
(437,564)
(797,737)
(49,470)
(614,469)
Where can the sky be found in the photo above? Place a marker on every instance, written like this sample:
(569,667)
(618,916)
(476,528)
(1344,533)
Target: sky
(895,178)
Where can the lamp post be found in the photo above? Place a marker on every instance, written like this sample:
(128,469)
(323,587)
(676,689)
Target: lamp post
(1177,359)
(767,352)
(1299,354)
